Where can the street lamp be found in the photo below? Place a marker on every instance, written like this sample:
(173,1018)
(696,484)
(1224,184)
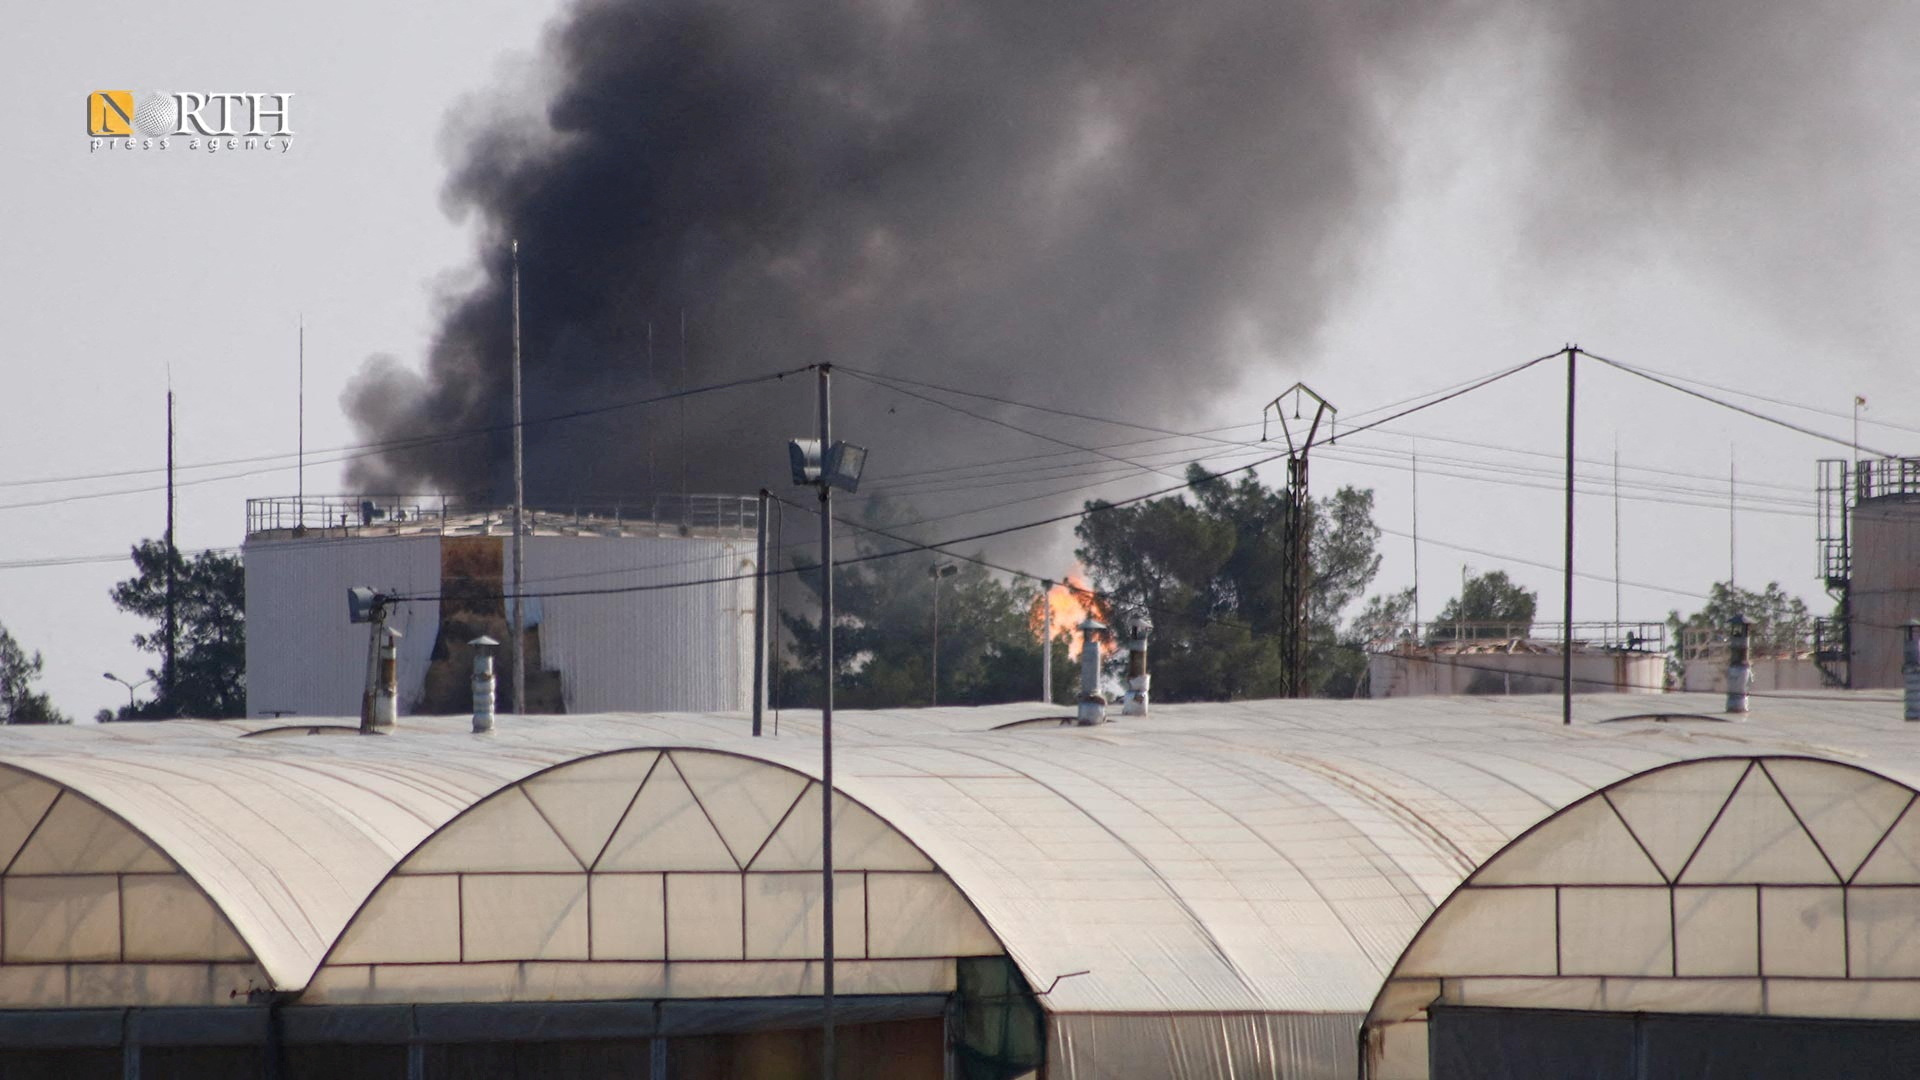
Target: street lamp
(937,572)
(131,686)
(824,464)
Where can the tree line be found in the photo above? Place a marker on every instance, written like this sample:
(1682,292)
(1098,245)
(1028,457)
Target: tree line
(1204,566)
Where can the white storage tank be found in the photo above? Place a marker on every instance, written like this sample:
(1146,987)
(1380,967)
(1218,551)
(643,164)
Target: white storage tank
(600,638)
(1885,573)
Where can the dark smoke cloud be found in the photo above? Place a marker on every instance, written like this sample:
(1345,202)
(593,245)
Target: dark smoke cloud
(1115,204)
(1127,204)
(1762,143)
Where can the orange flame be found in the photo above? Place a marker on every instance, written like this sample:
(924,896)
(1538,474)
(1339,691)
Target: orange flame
(1071,604)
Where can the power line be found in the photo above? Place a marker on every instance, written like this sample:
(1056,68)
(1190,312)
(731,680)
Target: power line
(995,420)
(358,450)
(987,534)
(1756,414)
(1834,413)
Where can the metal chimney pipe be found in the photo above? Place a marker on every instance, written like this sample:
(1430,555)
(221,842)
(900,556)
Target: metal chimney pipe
(483,684)
(1093,705)
(1910,668)
(1137,678)
(376,616)
(387,693)
(1739,672)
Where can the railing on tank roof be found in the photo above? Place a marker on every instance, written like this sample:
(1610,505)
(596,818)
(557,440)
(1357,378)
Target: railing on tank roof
(1765,641)
(1644,637)
(1877,478)
(732,515)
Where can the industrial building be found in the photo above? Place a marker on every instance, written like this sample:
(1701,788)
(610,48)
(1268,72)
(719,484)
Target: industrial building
(1430,887)
(1870,560)
(1468,657)
(604,635)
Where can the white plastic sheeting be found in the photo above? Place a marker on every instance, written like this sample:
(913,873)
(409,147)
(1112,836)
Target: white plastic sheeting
(1781,886)
(680,874)
(1266,859)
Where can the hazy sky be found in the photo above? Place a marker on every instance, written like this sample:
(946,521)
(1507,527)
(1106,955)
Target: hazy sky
(1724,192)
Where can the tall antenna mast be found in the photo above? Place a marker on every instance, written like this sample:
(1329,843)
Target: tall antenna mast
(519,511)
(300,497)
(1616,531)
(1733,522)
(167,679)
(684,404)
(653,487)
(1416,535)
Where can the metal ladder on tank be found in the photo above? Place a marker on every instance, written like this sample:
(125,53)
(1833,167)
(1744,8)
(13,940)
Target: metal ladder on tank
(1833,634)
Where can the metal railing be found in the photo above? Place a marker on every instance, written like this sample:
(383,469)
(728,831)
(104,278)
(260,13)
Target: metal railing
(732,515)
(1649,637)
(1876,478)
(1765,641)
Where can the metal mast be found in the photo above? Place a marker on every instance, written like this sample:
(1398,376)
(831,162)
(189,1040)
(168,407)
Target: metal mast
(173,556)
(826,727)
(1566,634)
(519,510)
(1298,541)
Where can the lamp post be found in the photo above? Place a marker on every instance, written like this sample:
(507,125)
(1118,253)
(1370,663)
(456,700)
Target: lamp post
(824,464)
(937,572)
(131,686)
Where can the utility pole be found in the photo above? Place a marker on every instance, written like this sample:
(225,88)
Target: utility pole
(1416,537)
(936,572)
(1298,535)
(828,465)
(300,485)
(173,556)
(1566,634)
(760,613)
(1733,521)
(1616,533)
(826,725)
(1046,642)
(519,511)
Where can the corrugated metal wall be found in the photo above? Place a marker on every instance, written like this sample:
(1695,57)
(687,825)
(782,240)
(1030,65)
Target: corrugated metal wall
(303,656)
(666,650)
(1886,587)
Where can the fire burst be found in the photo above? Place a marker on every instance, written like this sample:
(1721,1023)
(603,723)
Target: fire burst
(1071,603)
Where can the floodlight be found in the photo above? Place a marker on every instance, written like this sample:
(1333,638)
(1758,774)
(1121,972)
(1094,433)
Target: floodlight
(845,463)
(361,603)
(804,456)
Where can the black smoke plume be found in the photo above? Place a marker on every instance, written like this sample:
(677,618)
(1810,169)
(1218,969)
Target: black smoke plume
(1128,206)
(1112,205)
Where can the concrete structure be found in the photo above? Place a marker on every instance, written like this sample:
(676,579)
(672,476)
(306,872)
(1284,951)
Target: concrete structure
(603,632)
(1428,887)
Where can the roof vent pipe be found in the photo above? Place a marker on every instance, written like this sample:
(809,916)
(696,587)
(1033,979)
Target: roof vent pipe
(1093,705)
(1739,672)
(1910,668)
(1136,699)
(483,685)
(386,694)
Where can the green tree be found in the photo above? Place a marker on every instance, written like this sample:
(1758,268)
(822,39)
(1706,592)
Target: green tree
(1491,597)
(209,676)
(19,702)
(1779,624)
(1210,574)
(884,638)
